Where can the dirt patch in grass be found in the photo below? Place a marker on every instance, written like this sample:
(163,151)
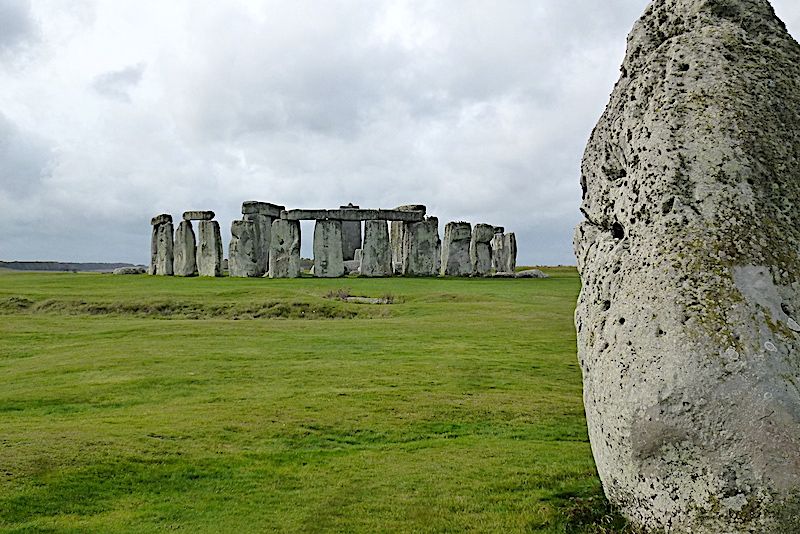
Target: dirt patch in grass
(171,309)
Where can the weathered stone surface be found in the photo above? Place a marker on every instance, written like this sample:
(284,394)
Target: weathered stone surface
(197,215)
(396,236)
(284,249)
(263,228)
(455,249)
(419,247)
(328,249)
(351,267)
(357,255)
(504,274)
(243,253)
(376,256)
(531,273)
(353,215)
(209,249)
(250,207)
(351,235)
(504,252)
(480,249)
(137,269)
(162,264)
(689,258)
(184,260)
(161,219)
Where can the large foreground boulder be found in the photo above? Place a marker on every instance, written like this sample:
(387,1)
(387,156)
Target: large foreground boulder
(689,255)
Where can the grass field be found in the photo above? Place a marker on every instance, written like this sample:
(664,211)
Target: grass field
(141,404)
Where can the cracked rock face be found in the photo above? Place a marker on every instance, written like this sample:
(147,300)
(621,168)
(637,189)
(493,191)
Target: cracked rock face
(184,250)
(687,321)
(243,251)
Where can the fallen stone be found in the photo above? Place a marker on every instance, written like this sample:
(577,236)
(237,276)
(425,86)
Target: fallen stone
(263,230)
(328,262)
(198,215)
(184,250)
(130,270)
(161,219)
(689,257)
(284,249)
(243,254)
(501,274)
(455,249)
(250,207)
(531,273)
(209,249)
(376,256)
(480,250)
(419,247)
(351,267)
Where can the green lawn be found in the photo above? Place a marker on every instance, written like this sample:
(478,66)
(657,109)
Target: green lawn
(141,404)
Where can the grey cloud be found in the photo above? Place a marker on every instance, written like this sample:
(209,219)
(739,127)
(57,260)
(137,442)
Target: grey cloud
(16,24)
(25,160)
(116,84)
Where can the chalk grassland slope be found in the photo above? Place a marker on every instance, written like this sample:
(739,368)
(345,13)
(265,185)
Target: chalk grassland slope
(137,403)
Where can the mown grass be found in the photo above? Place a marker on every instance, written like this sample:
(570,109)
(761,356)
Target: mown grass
(142,404)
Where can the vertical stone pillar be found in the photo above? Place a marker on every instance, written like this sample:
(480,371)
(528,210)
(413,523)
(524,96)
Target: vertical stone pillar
(328,259)
(351,235)
(396,236)
(244,260)
(161,245)
(376,256)
(510,244)
(209,249)
(504,252)
(480,252)
(419,247)
(455,249)
(262,214)
(185,263)
(284,249)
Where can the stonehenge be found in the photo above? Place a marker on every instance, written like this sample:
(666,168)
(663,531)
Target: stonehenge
(209,249)
(689,256)
(184,250)
(161,246)
(328,261)
(244,257)
(375,256)
(455,249)
(266,242)
(480,250)
(284,249)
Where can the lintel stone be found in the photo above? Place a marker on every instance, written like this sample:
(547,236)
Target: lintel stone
(198,215)
(264,208)
(354,215)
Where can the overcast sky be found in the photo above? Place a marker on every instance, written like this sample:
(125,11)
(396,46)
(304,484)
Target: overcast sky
(114,111)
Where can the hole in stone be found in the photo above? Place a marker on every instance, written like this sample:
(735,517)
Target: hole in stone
(622,320)
(667,206)
(683,67)
(606,305)
(617,231)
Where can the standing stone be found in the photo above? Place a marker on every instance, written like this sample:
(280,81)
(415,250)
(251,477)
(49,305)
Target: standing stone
(351,235)
(504,252)
(328,262)
(419,247)
(209,249)
(689,254)
(480,250)
(396,229)
(164,250)
(284,249)
(455,249)
(262,226)
(184,262)
(376,256)
(243,254)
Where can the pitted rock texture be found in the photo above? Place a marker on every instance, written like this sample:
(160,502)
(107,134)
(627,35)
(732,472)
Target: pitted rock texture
(328,261)
(263,229)
(243,252)
(396,229)
(198,215)
(162,261)
(480,249)
(504,252)
(688,316)
(284,249)
(455,250)
(376,256)
(184,249)
(209,249)
(420,247)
